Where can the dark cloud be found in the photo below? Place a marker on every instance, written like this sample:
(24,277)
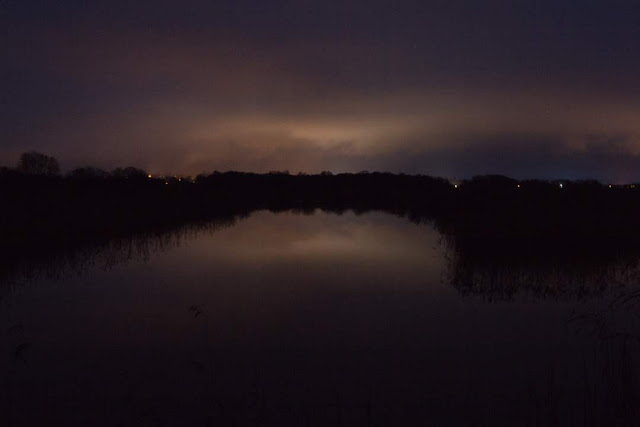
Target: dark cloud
(542,88)
(602,157)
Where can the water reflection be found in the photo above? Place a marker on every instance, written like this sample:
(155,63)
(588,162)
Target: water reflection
(495,268)
(503,268)
(59,262)
(283,319)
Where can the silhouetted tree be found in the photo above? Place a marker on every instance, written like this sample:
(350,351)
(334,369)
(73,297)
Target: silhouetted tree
(89,173)
(34,163)
(129,172)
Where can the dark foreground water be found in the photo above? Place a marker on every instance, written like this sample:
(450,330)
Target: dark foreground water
(324,319)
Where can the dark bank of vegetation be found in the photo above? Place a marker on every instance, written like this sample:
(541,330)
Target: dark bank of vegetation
(490,222)
(38,202)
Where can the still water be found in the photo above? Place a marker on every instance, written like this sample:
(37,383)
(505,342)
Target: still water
(290,319)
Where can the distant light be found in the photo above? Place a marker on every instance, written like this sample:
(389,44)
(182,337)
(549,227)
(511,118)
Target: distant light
(561,185)
(166,183)
(518,185)
(609,185)
(455,185)
(149,176)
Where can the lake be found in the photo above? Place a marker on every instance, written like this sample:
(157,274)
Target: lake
(316,319)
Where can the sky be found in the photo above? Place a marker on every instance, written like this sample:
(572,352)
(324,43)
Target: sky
(455,88)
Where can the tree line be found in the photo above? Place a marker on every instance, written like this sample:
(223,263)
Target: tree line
(38,164)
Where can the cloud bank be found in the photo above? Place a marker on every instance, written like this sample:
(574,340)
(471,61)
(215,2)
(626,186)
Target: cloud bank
(447,88)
